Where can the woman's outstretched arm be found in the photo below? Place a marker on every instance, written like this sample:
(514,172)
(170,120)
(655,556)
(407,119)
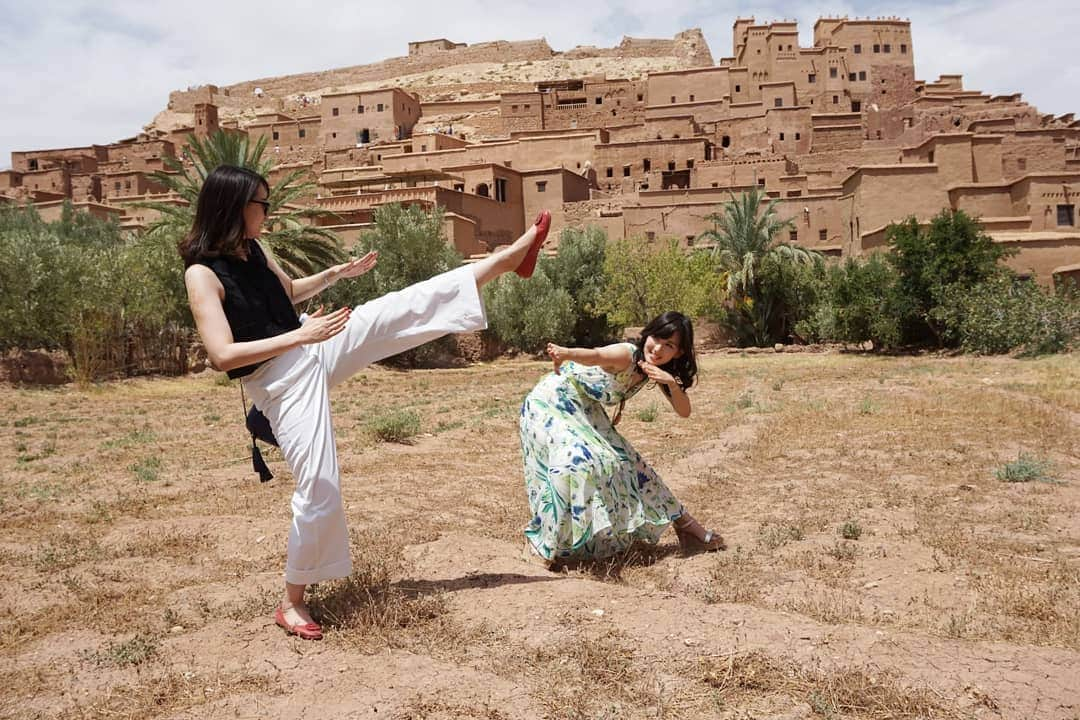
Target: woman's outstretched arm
(613,358)
(303,288)
(205,294)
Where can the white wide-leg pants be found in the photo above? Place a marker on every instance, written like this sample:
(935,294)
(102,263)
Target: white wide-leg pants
(292,390)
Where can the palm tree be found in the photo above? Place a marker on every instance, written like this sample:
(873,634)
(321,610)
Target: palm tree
(744,243)
(300,247)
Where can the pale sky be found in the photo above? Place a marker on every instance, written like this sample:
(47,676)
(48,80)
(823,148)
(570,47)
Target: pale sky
(75,73)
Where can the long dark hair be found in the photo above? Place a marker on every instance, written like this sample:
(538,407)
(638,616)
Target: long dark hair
(682,368)
(219,215)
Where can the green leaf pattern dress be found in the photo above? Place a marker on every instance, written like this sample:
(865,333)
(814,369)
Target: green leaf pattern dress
(590,492)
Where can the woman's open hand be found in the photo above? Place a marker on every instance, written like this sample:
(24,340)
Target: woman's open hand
(319,327)
(353,268)
(558,355)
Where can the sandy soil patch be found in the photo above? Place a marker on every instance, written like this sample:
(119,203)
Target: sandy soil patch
(877,566)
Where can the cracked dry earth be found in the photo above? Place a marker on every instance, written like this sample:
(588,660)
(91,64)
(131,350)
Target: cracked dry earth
(876,565)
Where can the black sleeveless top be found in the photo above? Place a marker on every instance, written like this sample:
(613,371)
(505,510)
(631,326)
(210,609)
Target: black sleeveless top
(256,304)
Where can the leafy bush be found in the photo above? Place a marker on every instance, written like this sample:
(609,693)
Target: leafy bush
(855,302)
(940,284)
(578,268)
(1004,314)
(562,301)
(787,292)
(38,278)
(527,314)
(412,247)
(643,280)
(83,285)
(953,252)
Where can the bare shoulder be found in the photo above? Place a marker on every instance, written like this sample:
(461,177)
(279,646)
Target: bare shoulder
(617,357)
(201,279)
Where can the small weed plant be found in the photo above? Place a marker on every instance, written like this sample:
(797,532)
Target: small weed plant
(1026,468)
(395,426)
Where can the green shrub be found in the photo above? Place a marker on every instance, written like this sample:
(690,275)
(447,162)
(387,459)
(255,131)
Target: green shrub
(578,268)
(787,294)
(645,279)
(394,425)
(39,277)
(1003,314)
(953,251)
(83,285)
(940,284)
(412,247)
(856,302)
(527,314)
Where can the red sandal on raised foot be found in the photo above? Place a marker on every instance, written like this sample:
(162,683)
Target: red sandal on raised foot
(528,265)
(304,631)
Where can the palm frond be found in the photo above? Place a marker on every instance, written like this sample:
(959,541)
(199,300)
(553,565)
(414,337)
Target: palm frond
(300,246)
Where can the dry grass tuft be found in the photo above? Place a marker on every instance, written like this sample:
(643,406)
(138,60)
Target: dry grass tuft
(172,544)
(733,578)
(422,708)
(165,690)
(1028,601)
(859,692)
(772,535)
(827,605)
(368,608)
(588,674)
(64,552)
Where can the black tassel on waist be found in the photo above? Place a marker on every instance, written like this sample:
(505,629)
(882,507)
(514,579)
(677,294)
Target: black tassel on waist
(259,427)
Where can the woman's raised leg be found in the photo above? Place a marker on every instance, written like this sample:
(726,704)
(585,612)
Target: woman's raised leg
(402,320)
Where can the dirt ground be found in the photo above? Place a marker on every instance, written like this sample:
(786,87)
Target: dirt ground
(877,565)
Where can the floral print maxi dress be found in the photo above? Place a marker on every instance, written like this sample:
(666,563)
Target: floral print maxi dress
(590,493)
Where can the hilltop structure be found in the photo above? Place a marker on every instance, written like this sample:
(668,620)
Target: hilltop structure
(644,140)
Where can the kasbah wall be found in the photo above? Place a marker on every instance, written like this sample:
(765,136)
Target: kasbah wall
(842,132)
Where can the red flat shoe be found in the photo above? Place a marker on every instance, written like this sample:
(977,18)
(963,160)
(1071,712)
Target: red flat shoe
(528,265)
(305,631)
